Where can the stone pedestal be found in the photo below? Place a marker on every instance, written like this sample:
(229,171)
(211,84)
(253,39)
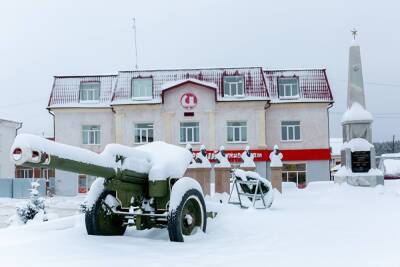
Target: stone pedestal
(222,179)
(201,175)
(276,178)
(248,169)
(359,167)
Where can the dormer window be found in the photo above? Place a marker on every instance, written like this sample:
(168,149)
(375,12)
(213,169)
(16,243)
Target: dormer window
(89,92)
(234,86)
(142,88)
(288,87)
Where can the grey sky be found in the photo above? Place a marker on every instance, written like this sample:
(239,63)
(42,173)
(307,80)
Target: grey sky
(40,39)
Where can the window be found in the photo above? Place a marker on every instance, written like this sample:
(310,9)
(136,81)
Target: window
(89,92)
(290,130)
(234,86)
(237,131)
(26,173)
(142,88)
(144,133)
(189,132)
(295,173)
(288,87)
(91,135)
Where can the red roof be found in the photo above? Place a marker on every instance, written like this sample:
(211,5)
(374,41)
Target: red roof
(259,85)
(254,80)
(66,89)
(313,84)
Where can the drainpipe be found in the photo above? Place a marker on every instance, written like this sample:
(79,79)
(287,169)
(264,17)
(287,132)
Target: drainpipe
(267,106)
(329,138)
(54,123)
(19,127)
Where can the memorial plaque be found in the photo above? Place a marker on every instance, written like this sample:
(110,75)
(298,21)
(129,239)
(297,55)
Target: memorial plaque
(360,161)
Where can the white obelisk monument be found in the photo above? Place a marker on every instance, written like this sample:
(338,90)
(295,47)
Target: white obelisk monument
(358,153)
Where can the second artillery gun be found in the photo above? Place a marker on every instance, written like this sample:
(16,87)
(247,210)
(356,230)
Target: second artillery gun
(141,186)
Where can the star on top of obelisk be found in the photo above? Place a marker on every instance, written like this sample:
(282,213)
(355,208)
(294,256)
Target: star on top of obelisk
(354,33)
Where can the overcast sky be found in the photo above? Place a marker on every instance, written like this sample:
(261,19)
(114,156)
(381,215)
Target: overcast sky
(40,39)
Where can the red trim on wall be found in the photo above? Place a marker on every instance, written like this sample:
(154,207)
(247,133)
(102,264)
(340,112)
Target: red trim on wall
(288,154)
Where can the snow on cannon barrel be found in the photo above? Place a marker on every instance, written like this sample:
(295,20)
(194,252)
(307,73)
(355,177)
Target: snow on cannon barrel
(142,185)
(34,151)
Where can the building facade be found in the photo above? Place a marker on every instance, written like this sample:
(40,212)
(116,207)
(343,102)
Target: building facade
(8,131)
(230,107)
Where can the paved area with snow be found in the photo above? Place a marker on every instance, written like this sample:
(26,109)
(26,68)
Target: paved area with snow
(322,225)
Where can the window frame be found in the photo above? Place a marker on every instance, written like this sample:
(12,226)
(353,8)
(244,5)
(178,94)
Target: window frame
(285,172)
(142,97)
(233,132)
(230,88)
(89,101)
(24,171)
(135,128)
(89,137)
(294,131)
(291,96)
(186,132)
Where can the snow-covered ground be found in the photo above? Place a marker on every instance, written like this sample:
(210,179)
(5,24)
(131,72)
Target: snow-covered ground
(56,207)
(322,225)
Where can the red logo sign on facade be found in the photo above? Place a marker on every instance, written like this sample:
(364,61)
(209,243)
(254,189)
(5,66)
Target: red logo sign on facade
(188,100)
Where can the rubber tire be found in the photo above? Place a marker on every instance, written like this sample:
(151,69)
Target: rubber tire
(92,222)
(174,216)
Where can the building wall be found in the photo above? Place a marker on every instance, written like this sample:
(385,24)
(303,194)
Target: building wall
(263,127)
(316,170)
(313,119)
(211,115)
(68,130)
(69,122)
(7,136)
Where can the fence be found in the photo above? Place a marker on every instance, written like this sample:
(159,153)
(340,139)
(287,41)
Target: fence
(19,188)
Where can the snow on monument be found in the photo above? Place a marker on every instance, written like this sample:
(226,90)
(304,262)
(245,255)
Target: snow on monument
(222,159)
(358,153)
(248,159)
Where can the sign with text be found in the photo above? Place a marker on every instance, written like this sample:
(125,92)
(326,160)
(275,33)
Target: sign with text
(360,161)
(263,154)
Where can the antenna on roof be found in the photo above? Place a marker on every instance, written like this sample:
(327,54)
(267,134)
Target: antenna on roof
(134,32)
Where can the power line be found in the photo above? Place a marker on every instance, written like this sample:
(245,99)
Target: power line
(372,83)
(23,103)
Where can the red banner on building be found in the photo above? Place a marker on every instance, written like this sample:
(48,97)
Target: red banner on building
(288,155)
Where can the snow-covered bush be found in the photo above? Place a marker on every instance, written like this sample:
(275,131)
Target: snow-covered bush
(33,206)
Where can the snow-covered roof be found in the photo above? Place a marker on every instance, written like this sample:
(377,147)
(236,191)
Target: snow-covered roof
(65,92)
(10,123)
(259,85)
(391,155)
(254,81)
(392,166)
(313,85)
(172,84)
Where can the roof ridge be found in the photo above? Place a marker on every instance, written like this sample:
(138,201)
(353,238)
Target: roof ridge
(82,76)
(190,69)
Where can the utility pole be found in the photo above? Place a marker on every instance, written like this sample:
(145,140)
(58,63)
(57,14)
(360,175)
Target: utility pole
(134,35)
(393,143)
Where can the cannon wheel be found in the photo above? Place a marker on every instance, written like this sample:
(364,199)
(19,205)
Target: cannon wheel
(100,221)
(190,213)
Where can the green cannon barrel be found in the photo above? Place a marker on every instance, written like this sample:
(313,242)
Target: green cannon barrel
(34,151)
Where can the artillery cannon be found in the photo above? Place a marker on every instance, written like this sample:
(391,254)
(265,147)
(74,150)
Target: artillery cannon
(140,186)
